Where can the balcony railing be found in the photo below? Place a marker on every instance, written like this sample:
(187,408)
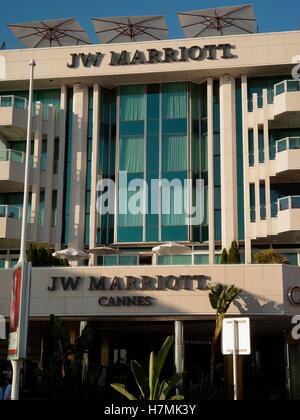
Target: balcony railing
(7,101)
(287,203)
(11,212)
(287,86)
(289,143)
(8,155)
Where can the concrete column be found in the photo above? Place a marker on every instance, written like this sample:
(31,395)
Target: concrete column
(36,171)
(257,189)
(61,164)
(49,174)
(179,347)
(248,257)
(228,161)
(78,170)
(211,180)
(95,159)
(267,161)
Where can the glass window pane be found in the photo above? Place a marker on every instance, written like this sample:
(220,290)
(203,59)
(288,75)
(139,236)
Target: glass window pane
(132,154)
(174,153)
(174,101)
(132,103)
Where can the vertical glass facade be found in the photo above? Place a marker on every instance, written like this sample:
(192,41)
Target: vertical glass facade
(153,132)
(107,158)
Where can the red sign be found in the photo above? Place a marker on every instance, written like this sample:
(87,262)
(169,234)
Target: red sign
(15,311)
(18,325)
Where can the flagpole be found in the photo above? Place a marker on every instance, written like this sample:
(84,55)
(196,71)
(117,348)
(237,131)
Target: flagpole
(16,364)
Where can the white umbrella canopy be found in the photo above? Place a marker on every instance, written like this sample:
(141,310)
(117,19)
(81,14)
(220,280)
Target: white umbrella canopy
(70,254)
(232,20)
(130,28)
(171,248)
(103,250)
(50,33)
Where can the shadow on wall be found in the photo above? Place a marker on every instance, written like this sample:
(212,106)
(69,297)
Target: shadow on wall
(251,304)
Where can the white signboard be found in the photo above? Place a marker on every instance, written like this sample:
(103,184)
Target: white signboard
(2,328)
(236,336)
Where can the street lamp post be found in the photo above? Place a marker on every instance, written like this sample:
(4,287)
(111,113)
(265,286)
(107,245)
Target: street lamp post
(16,364)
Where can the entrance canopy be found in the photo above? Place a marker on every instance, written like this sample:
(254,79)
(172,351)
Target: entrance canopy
(50,33)
(233,20)
(130,29)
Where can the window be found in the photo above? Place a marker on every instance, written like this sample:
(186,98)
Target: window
(42,209)
(174,101)
(132,105)
(44,155)
(174,153)
(54,209)
(132,154)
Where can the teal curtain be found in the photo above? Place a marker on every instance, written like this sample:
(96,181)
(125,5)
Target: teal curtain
(174,153)
(132,154)
(132,103)
(130,220)
(44,156)
(42,209)
(2,263)
(201,259)
(204,153)
(176,205)
(174,101)
(175,260)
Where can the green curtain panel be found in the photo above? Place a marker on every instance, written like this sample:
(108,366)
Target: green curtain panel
(174,153)
(132,105)
(174,101)
(130,220)
(132,154)
(177,201)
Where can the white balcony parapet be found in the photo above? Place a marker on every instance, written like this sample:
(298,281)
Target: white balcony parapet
(289,143)
(10,212)
(9,155)
(287,86)
(288,203)
(12,101)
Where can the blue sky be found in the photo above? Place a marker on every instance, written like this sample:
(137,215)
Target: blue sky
(272,15)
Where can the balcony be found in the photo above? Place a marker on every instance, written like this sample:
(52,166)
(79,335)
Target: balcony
(13,117)
(288,156)
(10,225)
(289,214)
(12,167)
(286,97)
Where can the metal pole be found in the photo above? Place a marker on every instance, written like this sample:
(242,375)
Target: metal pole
(235,377)
(179,347)
(23,255)
(16,364)
(179,352)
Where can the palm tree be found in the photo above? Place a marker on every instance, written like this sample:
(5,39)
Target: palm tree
(149,381)
(221,297)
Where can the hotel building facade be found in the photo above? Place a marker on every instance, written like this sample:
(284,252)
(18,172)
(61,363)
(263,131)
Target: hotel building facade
(225,110)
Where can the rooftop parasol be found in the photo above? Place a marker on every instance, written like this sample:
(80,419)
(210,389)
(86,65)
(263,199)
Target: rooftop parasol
(130,29)
(50,33)
(232,20)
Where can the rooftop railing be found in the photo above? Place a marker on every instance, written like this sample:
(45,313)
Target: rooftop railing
(287,86)
(287,203)
(8,155)
(289,143)
(11,212)
(12,101)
